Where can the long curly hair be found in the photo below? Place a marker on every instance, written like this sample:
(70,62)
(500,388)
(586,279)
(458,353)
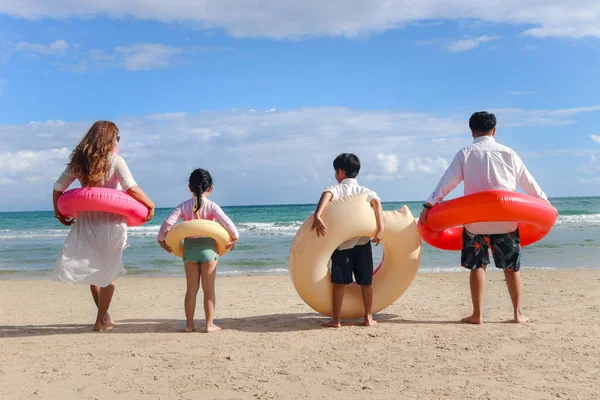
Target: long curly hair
(89,160)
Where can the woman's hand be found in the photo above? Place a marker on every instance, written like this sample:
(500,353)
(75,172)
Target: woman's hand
(150,214)
(423,216)
(64,220)
(231,244)
(165,246)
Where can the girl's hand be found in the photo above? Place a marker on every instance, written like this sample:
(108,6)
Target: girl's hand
(165,246)
(150,214)
(231,245)
(64,220)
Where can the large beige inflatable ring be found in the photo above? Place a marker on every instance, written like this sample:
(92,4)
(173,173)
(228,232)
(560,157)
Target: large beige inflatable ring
(345,219)
(197,227)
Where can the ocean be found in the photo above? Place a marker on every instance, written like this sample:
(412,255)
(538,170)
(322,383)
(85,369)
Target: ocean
(31,241)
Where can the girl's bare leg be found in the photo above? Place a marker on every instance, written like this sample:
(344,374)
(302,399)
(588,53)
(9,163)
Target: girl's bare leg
(105,296)
(209,273)
(96,295)
(192,276)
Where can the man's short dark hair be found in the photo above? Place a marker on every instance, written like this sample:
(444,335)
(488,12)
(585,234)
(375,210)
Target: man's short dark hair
(482,122)
(347,162)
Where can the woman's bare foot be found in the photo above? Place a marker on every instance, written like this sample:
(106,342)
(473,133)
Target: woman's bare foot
(107,320)
(210,328)
(189,329)
(332,323)
(520,318)
(100,326)
(369,321)
(473,319)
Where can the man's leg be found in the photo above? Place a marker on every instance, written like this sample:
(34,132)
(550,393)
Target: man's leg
(507,255)
(475,256)
(477,283)
(513,283)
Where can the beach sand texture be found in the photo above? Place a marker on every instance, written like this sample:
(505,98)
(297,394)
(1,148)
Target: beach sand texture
(273,346)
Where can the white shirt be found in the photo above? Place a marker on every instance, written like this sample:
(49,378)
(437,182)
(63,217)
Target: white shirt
(350,187)
(487,165)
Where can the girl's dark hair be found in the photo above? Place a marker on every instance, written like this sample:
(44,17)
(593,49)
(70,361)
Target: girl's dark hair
(200,182)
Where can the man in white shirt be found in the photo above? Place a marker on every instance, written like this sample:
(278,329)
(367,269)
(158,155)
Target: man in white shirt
(487,165)
(353,256)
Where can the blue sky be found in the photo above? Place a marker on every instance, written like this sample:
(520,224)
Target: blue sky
(266,96)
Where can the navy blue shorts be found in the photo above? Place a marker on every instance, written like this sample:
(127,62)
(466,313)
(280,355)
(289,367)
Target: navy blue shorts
(357,260)
(506,249)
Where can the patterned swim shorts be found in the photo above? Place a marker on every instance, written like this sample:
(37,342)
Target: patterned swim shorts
(506,249)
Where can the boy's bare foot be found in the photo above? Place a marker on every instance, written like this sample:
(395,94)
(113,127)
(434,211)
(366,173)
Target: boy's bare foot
(210,328)
(520,318)
(369,321)
(100,326)
(189,329)
(332,324)
(472,319)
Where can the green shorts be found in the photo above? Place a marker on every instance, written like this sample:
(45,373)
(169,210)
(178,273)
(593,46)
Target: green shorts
(200,250)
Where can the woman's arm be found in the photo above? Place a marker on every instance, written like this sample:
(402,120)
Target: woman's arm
(137,193)
(63,220)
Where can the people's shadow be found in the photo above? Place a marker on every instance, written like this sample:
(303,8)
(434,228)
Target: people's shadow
(254,324)
(270,323)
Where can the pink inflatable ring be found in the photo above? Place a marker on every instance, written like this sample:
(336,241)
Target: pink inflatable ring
(72,202)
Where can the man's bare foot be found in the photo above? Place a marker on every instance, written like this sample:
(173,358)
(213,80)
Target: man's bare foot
(100,326)
(332,323)
(210,328)
(472,319)
(520,318)
(369,321)
(189,329)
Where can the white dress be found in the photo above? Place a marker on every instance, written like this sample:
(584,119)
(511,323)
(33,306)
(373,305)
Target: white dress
(93,250)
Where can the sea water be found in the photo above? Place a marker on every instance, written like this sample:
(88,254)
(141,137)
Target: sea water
(31,241)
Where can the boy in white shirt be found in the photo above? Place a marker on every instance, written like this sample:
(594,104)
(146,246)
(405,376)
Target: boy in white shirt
(487,165)
(354,255)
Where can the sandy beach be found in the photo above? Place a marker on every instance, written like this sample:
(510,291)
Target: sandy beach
(272,345)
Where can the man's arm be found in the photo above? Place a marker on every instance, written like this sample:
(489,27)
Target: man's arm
(526,181)
(318,223)
(452,177)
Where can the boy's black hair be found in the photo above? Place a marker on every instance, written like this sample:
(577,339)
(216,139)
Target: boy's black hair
(347,162)
(482,122)
(200,182)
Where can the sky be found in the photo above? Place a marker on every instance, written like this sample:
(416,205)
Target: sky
(265,94)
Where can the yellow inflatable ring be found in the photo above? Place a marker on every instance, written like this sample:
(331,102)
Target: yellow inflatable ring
(197,227)
(345,219)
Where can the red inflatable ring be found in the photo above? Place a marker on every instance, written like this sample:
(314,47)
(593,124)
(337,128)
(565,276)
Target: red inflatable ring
(445,221)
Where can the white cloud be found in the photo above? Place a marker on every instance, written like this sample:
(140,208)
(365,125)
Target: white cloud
(58,47)
(595,138)
(147,56)
(388,163)
(469,44)
(518,117)
(427,165)
(79,67)
(289,19)
(14,163)
(253,155)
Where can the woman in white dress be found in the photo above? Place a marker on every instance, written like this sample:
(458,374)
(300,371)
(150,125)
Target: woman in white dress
(92,253)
